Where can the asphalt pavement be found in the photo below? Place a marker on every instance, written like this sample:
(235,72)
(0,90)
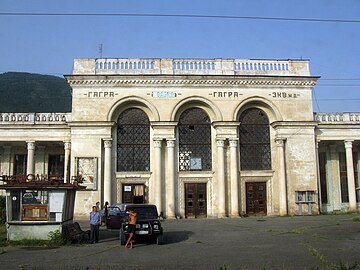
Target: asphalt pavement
(301,242)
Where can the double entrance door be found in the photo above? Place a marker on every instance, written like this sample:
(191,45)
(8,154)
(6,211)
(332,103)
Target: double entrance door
(256,198)
(195,200)
(133,193)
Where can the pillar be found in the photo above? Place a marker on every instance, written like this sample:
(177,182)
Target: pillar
(30,158)
(234,177)
(280,143)
(170,179)
(350,175)
(67,147)
(221,178)
(5,166)
(333,179)
(318,174)
(107,170)
(157,174)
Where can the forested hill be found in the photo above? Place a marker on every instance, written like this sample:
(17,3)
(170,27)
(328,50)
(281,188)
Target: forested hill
(27,92)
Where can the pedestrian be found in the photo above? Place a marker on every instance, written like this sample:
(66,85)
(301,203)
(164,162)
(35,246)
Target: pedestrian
(132,216)
(94,225)
(106,211)
(98,206)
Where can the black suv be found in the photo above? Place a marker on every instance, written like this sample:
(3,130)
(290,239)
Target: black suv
(148,226)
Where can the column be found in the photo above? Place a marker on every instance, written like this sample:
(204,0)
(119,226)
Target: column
(333,179)
(280,143)
(157,174)
(107,170)
(5,166)
(318,174)
(234,177)
(30,158)
(67,147)
(170,179)
(221,178)
(350,175)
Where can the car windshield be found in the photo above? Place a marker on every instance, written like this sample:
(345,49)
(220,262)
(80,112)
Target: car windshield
(114,211)
(146,212)
(121,206)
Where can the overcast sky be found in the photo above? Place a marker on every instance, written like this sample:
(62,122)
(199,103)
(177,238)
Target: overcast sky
(48,44)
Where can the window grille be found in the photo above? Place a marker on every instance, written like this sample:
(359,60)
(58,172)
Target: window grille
(194,140)
(254,133)
(133,141)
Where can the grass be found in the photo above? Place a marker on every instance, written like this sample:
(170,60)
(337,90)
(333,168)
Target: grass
(356,219)
(55,240)
(3,241)
(327,265)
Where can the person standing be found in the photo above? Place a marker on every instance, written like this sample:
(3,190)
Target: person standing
(131,226)
(106,212)
(95,220)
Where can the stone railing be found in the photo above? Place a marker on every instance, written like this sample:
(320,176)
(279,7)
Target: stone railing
(166,66)
(34,118)
(337,117)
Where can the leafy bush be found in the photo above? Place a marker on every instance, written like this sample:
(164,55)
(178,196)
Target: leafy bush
(56,238)
(2,210)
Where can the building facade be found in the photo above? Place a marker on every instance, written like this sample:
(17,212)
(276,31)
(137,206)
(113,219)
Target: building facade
(196,137)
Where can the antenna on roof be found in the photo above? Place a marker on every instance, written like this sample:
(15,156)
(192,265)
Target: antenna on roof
(100,49)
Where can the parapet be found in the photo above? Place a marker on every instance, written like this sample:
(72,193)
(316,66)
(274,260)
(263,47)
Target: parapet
(170,66)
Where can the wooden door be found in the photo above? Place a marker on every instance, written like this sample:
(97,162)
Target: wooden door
(256,198)
(195,200)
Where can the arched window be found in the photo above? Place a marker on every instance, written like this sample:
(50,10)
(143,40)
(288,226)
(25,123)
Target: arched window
(194,140)
(254,132)
(133,141)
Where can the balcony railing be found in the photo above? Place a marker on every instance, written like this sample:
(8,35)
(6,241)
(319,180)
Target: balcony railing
(166,66)
(34,118)
(337,117)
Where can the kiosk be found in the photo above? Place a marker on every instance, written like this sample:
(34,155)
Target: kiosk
(36,206)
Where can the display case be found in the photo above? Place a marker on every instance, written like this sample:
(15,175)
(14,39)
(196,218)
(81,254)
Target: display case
(305,200)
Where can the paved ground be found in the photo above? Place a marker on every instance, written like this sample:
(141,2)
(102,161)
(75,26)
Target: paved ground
(308,242)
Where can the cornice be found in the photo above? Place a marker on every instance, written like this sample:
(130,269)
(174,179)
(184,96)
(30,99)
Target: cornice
(195,82)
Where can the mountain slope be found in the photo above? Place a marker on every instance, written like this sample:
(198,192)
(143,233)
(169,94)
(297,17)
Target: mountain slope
(28,92)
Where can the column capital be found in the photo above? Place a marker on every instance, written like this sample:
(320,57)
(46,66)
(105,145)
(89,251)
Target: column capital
(30,145)
(348,143)
(107,143)
(170,143)
(157,142)
(220,142)
(67,145)
(280,141)
(233,142)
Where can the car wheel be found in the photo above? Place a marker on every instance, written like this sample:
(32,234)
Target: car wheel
(122,237)
(160,239)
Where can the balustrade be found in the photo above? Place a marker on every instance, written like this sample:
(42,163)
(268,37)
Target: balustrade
(337,117)
(34,118)
(169,66)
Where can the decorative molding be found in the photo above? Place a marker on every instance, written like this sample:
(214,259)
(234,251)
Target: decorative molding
(191,82)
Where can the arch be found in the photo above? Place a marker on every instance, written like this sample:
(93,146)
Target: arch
(267,106)
(133,102)
(199,102)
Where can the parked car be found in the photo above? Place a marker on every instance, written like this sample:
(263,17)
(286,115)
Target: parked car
(116,214)
(148,226)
